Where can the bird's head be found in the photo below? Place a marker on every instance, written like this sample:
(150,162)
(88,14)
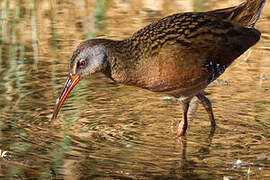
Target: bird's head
(88,58)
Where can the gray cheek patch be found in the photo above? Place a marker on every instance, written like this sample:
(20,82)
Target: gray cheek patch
(96,58)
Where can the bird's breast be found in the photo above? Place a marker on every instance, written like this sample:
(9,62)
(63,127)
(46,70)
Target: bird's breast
(173,74)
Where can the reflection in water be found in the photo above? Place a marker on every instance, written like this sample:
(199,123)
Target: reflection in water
(112,131)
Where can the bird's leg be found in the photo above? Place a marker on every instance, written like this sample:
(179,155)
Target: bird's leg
(182,127)
(208,107)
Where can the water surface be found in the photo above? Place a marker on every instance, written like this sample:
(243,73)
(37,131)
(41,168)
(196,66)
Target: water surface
(110,131)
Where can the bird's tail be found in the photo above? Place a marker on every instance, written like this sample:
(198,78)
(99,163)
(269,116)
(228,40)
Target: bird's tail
(245,14)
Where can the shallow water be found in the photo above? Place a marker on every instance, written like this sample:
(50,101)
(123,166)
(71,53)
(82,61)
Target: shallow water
(110,131)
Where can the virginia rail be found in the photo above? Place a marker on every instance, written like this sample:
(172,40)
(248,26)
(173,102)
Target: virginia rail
(178,55)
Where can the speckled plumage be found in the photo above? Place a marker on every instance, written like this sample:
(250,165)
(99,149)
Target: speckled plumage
(171,55)
(177,55)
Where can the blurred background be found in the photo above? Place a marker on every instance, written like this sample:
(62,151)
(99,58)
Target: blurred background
(110,131)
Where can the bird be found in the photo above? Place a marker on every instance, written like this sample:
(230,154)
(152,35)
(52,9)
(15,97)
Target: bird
(178,55)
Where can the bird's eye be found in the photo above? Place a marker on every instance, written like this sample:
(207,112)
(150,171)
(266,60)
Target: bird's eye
(82,62)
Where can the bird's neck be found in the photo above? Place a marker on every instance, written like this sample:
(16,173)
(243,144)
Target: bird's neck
(122,60)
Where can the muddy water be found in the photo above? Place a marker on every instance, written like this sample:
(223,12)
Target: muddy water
(110,131)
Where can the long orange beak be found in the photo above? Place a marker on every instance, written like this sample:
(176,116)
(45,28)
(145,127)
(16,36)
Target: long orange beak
(71,81)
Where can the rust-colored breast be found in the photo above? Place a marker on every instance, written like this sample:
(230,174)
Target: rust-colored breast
(170,70)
